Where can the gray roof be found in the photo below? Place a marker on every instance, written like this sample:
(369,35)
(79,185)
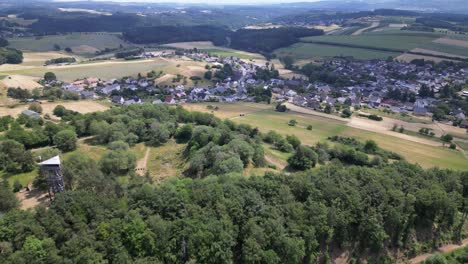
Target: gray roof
(52,161)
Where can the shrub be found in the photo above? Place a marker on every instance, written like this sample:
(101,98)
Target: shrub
(292,122)
(17,186)
(309,127)
(36,107)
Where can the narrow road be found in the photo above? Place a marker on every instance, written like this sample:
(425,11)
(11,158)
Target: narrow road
(444,249)
(142,163)
(360,31)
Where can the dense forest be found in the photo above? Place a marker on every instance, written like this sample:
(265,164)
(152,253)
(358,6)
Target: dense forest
(253,40)
(8,55)
(12,56)
(171,34)
(356,201)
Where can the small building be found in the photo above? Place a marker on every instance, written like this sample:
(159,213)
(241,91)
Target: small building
(31,114)
(117,99)
(51,170)
(464,124)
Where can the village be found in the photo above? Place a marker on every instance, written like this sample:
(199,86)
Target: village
(405,88)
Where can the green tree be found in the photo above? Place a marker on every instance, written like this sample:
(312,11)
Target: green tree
(208,75)
(370,147)
(184,133)
(36,107)
(293,140)
(65,140)
(8,199)
(50,76)
(157,134)
(304,158)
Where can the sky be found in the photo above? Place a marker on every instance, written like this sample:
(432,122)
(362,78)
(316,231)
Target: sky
(219,2)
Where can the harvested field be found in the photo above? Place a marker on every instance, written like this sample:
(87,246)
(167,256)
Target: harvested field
(22,81)
(83,106)
(454,42)
(362,30)
(210,47)
(84,49)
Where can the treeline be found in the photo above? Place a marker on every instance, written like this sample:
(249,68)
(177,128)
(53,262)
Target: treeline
(128,53)
(60,60)
(262,40)
(11,56)
(268,40)
(171,34)
(277,218)
(51,24)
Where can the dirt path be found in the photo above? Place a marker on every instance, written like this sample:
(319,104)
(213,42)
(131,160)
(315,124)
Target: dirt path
(142,163)
(444,249)
(360,31)
(274,161)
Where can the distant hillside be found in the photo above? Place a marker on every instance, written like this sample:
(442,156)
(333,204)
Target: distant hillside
(261,41)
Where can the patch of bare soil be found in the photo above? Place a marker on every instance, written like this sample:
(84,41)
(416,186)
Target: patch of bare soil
(444,249)
(84,49)
(279,165)
(31,199)
(360,31)
(141,167)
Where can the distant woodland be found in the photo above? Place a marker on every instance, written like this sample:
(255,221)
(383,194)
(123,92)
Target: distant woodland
(261,40)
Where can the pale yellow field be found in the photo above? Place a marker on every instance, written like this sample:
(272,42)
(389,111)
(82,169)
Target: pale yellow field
(83,106)
(454,42)
(22,81)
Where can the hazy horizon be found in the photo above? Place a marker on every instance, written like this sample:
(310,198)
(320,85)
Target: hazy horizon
(202,1)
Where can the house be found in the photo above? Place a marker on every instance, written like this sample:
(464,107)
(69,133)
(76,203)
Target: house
(170,100)
(31,114)
(464,124)
(419,108)
(107,90)
(117,99)
(72,88)
(88,95)
(91,82)
(158,101)
(134,100)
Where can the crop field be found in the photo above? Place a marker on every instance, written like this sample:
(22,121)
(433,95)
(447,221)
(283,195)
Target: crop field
(366,46)
(80,43)
(265,118)
(310,51)
(104,70)
(82,106)
(215,50)
(400,41)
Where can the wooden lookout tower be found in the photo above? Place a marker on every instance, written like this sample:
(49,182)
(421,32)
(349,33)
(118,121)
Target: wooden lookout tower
(52,172)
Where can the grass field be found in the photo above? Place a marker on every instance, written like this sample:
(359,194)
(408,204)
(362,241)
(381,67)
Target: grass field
(104,70)
(407,118)
(215,50)
(267,119)
(364,46)
(310,51)
(81,43)
(166,161)
(401,41)
(111,69)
